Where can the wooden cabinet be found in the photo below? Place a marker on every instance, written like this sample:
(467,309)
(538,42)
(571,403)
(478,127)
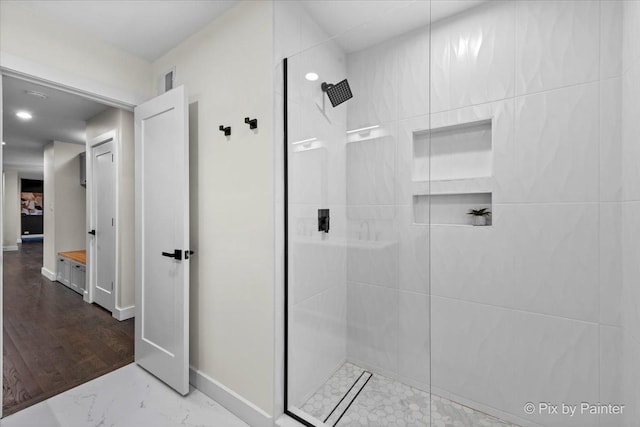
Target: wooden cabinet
(72,274)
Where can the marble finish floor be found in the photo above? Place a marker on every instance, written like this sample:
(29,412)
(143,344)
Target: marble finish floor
(386,402)
(127,397)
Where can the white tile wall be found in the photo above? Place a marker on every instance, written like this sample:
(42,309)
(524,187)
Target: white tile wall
(631,209)
(482,54)
(317,341)
(557,44)
(556,136)
(504,358)
(611,372)
(372,324)
(611,139)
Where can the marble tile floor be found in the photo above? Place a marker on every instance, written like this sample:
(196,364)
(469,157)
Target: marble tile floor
(386,402)
(127,397)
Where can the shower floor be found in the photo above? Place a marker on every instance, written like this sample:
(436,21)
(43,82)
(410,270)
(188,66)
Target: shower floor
(386,402)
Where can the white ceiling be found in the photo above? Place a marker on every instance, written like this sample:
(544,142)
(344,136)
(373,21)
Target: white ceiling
(145,28)
(364,23)
(61,117)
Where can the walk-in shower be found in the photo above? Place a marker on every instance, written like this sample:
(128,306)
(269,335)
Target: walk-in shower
(480,191)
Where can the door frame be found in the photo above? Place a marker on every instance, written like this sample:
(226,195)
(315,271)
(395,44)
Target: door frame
(61,80)
(113,137)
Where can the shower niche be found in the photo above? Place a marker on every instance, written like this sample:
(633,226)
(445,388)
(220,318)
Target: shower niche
(452,173)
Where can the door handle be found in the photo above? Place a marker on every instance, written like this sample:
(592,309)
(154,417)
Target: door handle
(177,254)
(92,232)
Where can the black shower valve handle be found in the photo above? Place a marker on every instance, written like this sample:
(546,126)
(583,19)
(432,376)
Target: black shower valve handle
(225,129)
(253,123)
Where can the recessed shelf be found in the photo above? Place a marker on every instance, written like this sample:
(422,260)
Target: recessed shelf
(449,209)
(453,152)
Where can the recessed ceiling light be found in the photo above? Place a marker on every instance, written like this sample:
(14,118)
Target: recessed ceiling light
(4,143)
(24,115)
(312,77)
(36,94)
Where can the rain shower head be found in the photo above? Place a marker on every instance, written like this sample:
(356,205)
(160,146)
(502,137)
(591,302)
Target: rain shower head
(337,93)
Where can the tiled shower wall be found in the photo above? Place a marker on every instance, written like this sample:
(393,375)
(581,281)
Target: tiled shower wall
(529,308)
(630,318)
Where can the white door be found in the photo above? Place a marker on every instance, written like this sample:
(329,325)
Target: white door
(104,211)
(162,238)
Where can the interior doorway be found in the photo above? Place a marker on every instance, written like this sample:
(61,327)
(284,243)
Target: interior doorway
(59,330)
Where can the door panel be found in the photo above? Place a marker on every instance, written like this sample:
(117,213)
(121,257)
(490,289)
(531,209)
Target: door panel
(105,239)
(162,226)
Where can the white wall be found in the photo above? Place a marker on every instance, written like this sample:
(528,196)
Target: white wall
(226,68)
(630,318)
(122,122)
(49,254)
(65,202)
(40,43)
(11,200)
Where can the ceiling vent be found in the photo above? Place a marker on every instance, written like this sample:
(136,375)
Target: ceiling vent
(166,80)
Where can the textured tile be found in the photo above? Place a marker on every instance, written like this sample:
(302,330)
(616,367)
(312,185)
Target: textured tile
(611,140)
(373,77)
(413,253)
(440,90)
(372,326)
(413,338)
(556,138)
(556,44)
(611,28)
(413,74)
(490,359)
(631,133)
(482,54)
(611,372)
(631,269)
(610,240)
(317,341)
(502,263)
(371,168)
(630,33)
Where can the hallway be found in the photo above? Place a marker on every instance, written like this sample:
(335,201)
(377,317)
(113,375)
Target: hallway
(53,340)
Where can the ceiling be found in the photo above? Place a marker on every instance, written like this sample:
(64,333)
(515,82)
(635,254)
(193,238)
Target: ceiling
(61,117)
(145,28)
(364,23)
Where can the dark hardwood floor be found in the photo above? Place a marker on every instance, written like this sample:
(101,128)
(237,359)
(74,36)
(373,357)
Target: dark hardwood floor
(53,340)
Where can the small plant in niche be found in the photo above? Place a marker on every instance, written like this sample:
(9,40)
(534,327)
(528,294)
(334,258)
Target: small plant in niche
(479,216)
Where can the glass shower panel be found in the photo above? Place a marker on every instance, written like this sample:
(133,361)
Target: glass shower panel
(358,295)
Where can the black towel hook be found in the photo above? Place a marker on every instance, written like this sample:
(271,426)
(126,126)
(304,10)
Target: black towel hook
(253,123)
(226,130)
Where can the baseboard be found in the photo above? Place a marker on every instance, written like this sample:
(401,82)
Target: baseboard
(238,405)
(48,274)
(124,313)
(10,248)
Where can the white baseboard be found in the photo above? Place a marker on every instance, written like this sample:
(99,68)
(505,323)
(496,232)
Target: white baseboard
(49,274)
(10,248)
(238,405)
(124,313)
